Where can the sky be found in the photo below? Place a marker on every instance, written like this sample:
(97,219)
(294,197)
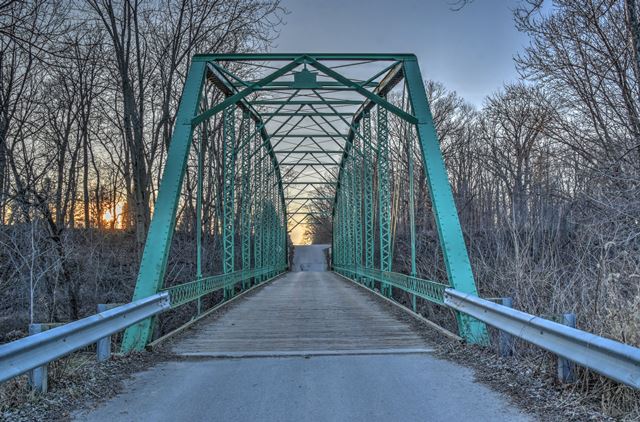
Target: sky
(470,51)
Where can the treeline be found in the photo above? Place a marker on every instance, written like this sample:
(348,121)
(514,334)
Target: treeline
(88,96)
(547,173)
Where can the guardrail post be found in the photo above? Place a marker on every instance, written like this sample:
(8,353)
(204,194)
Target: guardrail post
(566,368)
(103,347)
(38,377)
(505,340)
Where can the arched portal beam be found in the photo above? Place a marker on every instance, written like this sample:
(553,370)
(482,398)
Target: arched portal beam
(390,80)
(219,76)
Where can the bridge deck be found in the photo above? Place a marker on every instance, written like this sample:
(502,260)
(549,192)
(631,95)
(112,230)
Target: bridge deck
(317,348)
(303,313)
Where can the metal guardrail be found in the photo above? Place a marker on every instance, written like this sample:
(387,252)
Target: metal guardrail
(610,358)
(36,350)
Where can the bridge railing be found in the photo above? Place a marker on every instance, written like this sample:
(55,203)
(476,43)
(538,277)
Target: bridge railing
(187,292)
(425,289)
(607,357)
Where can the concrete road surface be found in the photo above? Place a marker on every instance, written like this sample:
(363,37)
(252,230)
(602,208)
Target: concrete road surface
(365,388)
(310,346)
(310,258)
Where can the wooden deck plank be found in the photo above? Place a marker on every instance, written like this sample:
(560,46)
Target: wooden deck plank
(302,312)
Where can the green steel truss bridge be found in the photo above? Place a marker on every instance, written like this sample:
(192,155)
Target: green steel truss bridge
(307,139)
(307,134)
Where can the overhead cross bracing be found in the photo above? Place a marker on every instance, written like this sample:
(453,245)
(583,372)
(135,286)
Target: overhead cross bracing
(308,114)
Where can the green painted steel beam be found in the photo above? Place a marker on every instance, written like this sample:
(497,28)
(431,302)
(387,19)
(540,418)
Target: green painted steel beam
(246,195)
(412,217)
(364,92)
(319,84)
(317,56)
(310,198)
(305,102)
(369,238)
(352,127)
(309,135)
(154,258)
(228,171)
(304,151)
(450,233)
(218,76)
(280,89)
(258,207)
(386,85)
(384,196)
(309,164)
(311,183)
(356,177)
(242,94)
(305,114)
(198,228)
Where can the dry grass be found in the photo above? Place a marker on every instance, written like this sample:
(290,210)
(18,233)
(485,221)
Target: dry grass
(74,382)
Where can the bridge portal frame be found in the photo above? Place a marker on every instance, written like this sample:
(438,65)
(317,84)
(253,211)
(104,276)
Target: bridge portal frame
(267,226)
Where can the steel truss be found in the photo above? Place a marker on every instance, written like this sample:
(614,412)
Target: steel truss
(304,136)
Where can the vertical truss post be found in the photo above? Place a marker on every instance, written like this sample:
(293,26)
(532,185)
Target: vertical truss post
(340,251)
(156,248)
(444,208)
(269,218)
(274,219)
(348,180)
(368,195)
(245,216)
(228,217)
(336,249)
(356,190)
(198,228)
(259,206)
(265,211)
(282,223)
(266,257)
(335,239)
(275,246)
(412,217)
(384,196)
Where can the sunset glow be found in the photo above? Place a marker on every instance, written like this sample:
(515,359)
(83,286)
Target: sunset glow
(297,235)
(113,217)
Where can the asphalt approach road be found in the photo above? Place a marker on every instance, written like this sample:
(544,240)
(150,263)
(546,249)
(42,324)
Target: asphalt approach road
(310,258)
(309,346)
